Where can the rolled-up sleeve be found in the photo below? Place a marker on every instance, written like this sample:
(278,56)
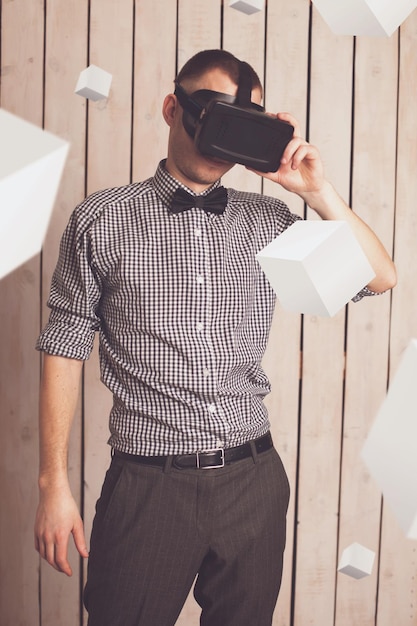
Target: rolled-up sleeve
(74,296)
(366,292)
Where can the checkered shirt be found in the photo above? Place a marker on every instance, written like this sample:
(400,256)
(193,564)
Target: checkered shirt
(182,309)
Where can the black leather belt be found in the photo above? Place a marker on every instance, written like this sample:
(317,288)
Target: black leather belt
(203,460)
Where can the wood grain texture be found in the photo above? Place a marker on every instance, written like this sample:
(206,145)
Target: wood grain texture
(154,72)
(198,28)
(373,198)
(323,350)
(21,94)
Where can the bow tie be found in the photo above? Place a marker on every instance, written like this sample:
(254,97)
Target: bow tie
(213,202)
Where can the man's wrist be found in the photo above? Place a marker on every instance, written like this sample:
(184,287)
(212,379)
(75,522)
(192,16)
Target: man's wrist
(325,201)
(53,480)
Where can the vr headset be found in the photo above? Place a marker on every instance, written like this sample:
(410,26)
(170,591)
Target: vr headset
(233,128)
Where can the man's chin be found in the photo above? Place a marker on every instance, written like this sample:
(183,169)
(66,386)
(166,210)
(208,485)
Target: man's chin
(202,171)
(220,165)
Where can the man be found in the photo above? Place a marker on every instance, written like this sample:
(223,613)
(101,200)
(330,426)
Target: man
(195,486)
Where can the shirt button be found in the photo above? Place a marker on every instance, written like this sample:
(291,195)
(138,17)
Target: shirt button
(212,408)
(200,326)
(200,279)
(206,372)
(197,232)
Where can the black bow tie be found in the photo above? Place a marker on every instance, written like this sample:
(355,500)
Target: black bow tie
(213,202)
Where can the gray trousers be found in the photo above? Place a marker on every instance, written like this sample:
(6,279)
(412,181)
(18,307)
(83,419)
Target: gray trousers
(156,529)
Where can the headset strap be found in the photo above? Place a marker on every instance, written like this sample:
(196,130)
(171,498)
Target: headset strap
(244,90)
(187,101)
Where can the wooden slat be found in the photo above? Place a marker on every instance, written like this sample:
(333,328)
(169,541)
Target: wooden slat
(21,93)
(368,322)
(199,24)
(397,580)
(286,90)
(286,72)
(153,78)
(109,120)
(65,115)
(323,351)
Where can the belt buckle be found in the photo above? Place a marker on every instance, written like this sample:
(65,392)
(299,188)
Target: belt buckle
(209,467)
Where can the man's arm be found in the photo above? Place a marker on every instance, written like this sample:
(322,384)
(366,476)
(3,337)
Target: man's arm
(301,172)
(57,516)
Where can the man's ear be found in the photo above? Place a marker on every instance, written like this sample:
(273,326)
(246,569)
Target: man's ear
(170,108)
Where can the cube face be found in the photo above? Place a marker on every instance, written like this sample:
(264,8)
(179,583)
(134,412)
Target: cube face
(247,6)
(374,18)
(93,83)
(390,448)
(315,267)
(31,164)
(356,561)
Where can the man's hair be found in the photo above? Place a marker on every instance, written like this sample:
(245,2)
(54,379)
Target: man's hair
(207,60)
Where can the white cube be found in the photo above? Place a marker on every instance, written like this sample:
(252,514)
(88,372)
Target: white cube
(93,83)
(364,17)
(247,6)
(316,266)
(31,164)
(356,561)
(390,450)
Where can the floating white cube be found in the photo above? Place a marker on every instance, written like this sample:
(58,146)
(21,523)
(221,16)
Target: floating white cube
(93,83)
(390,450)
(247,6)
(31,164)
(364,17)
(356,561)
(316,266)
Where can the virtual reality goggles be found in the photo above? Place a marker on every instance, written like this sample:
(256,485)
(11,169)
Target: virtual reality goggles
(233,128)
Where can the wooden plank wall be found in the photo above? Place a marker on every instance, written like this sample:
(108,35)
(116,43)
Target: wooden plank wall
(355,99)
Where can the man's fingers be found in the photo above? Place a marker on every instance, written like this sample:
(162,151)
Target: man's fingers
(79,539)
(55,552)
(61,556)
(291,149)
(297,151)
(57,518)
(287,117)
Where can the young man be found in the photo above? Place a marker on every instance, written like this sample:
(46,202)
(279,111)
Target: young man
(195,486)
